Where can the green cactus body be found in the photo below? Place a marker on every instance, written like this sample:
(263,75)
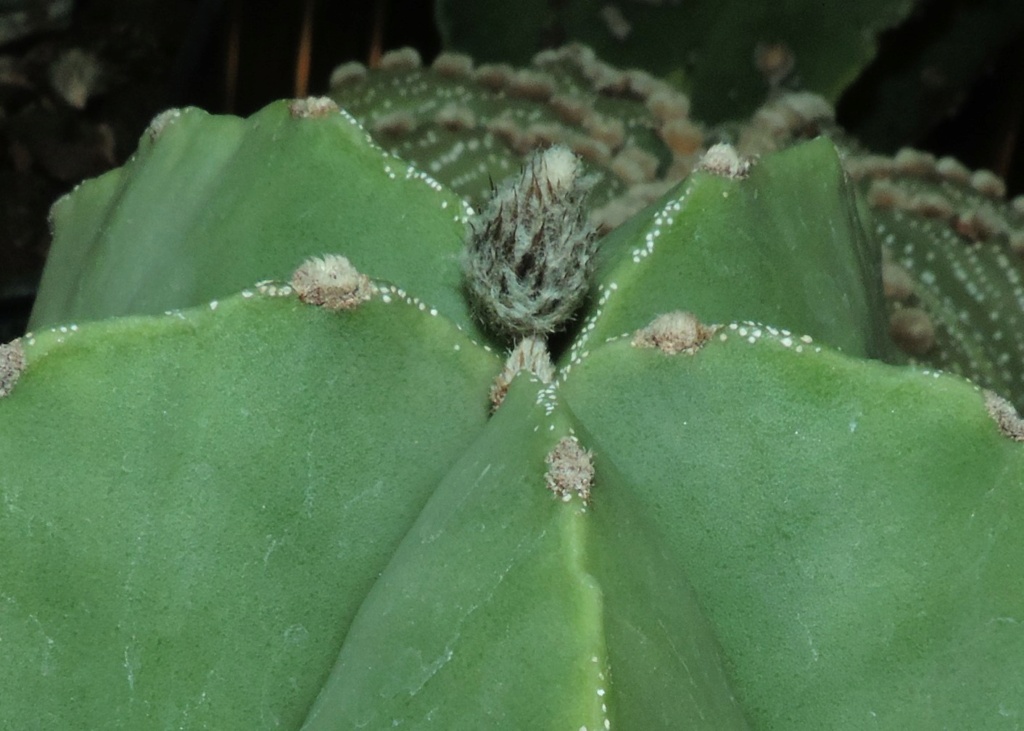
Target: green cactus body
(251,208)
(716,230)
(323,504)
(169,563)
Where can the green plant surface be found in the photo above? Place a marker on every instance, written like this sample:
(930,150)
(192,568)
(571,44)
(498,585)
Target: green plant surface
(256,513)
(833,589)
(524,628)
(210,204)
(196,504)
(848,526)
(708,48)
(811,269)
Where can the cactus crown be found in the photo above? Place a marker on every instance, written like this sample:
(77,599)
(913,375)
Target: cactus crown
(530,252)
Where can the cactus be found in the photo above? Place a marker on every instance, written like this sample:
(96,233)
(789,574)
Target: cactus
(325,501)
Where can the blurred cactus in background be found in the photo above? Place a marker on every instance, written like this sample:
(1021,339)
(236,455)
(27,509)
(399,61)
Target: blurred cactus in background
(516,391)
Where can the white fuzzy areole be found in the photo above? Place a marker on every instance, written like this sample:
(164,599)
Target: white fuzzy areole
(161,121)
(347,73)
(558,167)
(912,330)
(312,107)
(674,332)
(331,282)
(722,159)
(401,59)
(531,355)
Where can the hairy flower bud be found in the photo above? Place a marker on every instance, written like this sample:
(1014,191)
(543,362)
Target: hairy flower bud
(530,252)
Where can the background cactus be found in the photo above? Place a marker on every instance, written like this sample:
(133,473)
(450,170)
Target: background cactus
(258,512)
(724,55)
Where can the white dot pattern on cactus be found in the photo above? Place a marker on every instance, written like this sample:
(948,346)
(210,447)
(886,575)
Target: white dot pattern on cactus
(269,288)
(60,332)
(753,332)
(952,235)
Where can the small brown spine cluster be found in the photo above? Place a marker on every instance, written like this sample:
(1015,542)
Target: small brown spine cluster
(570,470)
(331,282)
(674,333)
(530,355)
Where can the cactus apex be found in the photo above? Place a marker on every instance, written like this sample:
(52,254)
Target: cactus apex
(1005,416)
(331,282)
(674,332)
(530,252)
(312,107)
(570,470)
(12,363)
(723,160)
(531,355)
(560,169)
